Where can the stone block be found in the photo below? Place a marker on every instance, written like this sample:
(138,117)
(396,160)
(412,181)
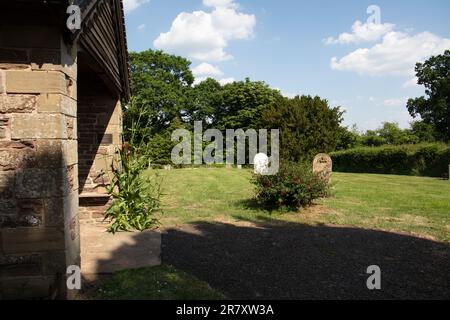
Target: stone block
(72,242)
(38,126)
(2,82)
(4,133)
(323,166)
(71,127)
(30,212)
(60,211)
(70,152)
(14,66)
(50,153)
(35,82)
(24,240)
(41,183)
(54,262)
(71,87)
(20,265)
(56,103)
(27,287)
(56,153)
(6,184)
(54,212)
(11,159)
(17,103)
(8,208)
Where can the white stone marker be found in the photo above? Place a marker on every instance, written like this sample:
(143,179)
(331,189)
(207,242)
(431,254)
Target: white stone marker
(261,164)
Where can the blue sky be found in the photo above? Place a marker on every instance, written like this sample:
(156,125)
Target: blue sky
(291,44)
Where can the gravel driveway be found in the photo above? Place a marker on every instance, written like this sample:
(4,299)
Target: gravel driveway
(295,261)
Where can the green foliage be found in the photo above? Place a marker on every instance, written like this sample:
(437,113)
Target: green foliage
(308,126)
(434,109)
(160,85)
(347,139)
(157,283)
(135,196)
(420,159)
(205,99)
(293,187)
(159,147)
(423,131)
(241,105)
(389,133)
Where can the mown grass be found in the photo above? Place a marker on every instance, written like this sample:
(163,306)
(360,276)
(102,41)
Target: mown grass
(157,283)
(415,205)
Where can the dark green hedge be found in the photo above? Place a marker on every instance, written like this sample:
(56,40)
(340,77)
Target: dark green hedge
(420,160)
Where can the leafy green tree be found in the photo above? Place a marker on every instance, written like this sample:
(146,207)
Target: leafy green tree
(347,138)
(423,131)
(392,134)
(242,103)
(206,97)
(434,109)
(160,84)
(307,126)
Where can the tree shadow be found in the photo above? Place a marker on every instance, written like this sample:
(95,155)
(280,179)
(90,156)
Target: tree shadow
(297,261)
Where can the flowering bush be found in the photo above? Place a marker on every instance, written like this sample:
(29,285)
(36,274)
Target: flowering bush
(293,187)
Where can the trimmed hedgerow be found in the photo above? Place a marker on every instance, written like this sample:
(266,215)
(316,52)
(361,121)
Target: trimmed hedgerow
(420,160)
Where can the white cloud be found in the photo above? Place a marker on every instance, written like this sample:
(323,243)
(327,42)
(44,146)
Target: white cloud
(397,54)
(141,27)
(220,3)
(205,35)
(199,80)
(222,81)
(362,32)
(206,69)
(130,5)
(225,81)
(401,102)
(287,94)
(411,83)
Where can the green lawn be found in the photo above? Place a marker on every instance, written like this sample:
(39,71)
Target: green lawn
(157,283)
(415,205)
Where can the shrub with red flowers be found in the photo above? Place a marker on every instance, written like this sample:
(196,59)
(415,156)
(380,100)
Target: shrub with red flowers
(293,187)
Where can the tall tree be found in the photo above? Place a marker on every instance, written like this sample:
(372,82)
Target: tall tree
(308,126)
(434,109)
(205,99)
(160,84)
(242,103)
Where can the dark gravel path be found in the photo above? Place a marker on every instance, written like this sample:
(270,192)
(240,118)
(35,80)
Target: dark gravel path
(294,261)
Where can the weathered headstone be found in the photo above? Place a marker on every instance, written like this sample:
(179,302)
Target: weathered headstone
(323,165)
(168,167)
(261,164)
(239,166)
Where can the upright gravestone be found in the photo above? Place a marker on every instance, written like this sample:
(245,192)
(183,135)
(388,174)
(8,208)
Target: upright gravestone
(323,165)
(261,164)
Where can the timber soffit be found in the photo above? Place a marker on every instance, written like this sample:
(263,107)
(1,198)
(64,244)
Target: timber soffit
(103,36)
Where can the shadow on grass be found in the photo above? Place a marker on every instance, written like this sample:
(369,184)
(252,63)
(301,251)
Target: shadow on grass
(297,261)
(254,206)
